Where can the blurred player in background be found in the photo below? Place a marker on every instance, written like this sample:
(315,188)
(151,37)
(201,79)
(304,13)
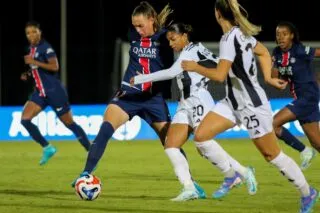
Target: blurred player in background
(246,102)
(293,63)
(195,102)
(49,91)
(150,53)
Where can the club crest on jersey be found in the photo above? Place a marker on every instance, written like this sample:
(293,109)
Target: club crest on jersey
(145,52)
(36,55)
(292,60)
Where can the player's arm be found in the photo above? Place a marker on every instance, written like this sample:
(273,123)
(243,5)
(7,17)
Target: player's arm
(317,52)
(52,64)
(266,66)
(160,75)
(216,74)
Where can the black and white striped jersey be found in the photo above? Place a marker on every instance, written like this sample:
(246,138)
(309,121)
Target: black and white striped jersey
(242,84)
(188,82)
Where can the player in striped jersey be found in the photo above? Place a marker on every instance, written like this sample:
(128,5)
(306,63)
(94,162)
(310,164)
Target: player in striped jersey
(246,101)
(195,102)
(293,62)
(49,91)
(149,53)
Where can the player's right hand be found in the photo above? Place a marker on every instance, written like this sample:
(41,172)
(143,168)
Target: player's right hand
(24,76)
(278,83)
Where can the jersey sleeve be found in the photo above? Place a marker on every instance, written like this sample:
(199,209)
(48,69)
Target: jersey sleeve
(306,52)
(49,52)
(164,74)
(227,48)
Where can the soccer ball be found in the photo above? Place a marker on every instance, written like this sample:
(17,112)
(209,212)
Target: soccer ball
(88,187)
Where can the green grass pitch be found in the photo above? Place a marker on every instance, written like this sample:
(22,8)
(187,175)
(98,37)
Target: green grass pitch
(137,177)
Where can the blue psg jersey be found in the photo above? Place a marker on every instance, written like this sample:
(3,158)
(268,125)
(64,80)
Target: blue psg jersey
(295,66)
(43,79)
(147,55)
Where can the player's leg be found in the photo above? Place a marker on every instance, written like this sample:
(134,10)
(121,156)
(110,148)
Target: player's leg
(109,125)
(284,116)
(31,109)
(313,133)
(68,121)
(212,125)
(177,135)
(271,151)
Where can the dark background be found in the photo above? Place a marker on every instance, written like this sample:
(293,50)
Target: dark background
(93,26)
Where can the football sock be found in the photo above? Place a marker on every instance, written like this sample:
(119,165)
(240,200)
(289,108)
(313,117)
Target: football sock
(217,157)
(80,134)
(98,146)
(291,171)
(180,166)
(34,132)
(292,141)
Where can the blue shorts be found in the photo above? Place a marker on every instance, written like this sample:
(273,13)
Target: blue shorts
(152,109)
(56,98)
(306,111)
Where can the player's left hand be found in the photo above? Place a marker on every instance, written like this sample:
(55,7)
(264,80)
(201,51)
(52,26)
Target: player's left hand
(29,60)
(278,83)
(190,66)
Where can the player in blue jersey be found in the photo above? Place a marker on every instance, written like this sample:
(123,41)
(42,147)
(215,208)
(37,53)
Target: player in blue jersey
(48,91)
(147,53)
(293,63)
(246,101)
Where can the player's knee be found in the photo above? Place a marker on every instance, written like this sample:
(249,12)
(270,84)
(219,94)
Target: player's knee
(277,130)
(25,122)
(269,156)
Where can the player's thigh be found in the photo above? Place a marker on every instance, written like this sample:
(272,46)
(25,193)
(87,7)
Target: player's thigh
(282,117)
(115,115)
(177,135)
(30,110)
(212,125)
(268,145)
(313,133)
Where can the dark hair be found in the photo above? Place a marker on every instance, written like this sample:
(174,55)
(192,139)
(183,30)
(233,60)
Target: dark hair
(292,28)
(144,8)
(232,11)
(32,24)
(181,28)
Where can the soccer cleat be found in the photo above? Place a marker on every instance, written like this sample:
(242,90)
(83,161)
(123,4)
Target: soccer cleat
(308,202)
(186,195)
(48,152)
(81,175)
(306,156)
(227,185)
(251,182)
(200,191)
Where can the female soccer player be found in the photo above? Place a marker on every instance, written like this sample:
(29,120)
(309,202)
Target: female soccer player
(147,53)
(246,101)
(49,91)
(292,62)
(195,102)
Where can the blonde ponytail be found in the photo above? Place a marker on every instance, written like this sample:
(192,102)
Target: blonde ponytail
(163,16)
(247,28)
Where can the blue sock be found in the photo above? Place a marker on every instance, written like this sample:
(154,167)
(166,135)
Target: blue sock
(98,146)
(292,141)
(34,132)
(80,134)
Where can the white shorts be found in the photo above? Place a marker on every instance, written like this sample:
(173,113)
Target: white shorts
(192,110)
(257,120)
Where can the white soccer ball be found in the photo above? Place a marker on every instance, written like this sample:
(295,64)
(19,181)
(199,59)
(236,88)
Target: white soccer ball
(88,187)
